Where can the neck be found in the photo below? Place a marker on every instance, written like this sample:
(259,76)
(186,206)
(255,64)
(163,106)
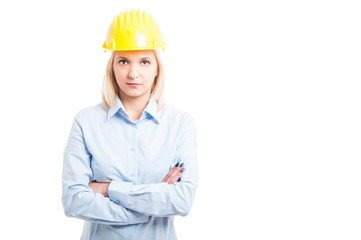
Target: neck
(134,106)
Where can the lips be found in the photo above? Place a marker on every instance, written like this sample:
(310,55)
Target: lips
(134,84)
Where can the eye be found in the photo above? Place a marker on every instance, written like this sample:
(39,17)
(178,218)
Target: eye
(123,61)
(145,62)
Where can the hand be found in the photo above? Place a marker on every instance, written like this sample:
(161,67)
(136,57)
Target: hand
(174,174)
(100,187)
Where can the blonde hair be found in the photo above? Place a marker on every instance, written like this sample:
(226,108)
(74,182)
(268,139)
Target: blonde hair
(110,88)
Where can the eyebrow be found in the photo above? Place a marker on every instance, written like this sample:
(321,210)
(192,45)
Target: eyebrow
(143,58)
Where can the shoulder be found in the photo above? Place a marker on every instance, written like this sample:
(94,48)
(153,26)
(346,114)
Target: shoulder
(182,122)
(177,115)
(94,112)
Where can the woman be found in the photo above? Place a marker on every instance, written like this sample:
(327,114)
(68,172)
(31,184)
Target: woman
(130,164)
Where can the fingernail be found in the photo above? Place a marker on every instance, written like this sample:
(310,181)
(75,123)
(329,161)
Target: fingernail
(177,165)
(181,165)
(182,170)
(179,180)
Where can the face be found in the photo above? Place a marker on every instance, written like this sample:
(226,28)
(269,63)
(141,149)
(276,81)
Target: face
(135,72)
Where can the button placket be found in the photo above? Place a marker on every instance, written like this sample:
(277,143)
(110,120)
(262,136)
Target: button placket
(133,153)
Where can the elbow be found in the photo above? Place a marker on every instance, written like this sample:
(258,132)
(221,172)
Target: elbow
(69,210)
(184,212)
(72,204)
(68,206)
(186,201)
(185,207)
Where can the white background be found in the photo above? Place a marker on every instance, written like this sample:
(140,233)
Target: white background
(274,87)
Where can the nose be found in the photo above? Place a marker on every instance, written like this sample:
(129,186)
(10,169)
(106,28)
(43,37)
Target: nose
(133,72)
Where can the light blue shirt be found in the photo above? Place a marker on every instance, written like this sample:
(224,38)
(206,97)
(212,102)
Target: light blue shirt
(134,156)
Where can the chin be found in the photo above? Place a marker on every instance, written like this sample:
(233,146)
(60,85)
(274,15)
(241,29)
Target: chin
(134,95)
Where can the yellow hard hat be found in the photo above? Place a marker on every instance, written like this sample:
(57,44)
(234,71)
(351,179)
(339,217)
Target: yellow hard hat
(133,30)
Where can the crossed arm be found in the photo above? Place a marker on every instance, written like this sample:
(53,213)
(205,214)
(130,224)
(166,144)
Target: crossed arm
(172,177)
(122,203)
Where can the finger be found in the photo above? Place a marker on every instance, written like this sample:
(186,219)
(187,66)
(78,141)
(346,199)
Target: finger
(176,177)
(173,174)
(169,174)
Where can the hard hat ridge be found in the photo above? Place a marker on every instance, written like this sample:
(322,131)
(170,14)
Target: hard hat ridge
(133,30)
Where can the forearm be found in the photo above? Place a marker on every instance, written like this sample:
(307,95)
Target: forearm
(159,200)
(163,199)
(80,202)
(120,191)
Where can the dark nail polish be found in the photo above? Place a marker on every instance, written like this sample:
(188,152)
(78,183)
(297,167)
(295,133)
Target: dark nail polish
(181,165)
(182,170)
(179,180)
(177,165)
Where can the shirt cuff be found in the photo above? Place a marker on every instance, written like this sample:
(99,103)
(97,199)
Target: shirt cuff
(119,192)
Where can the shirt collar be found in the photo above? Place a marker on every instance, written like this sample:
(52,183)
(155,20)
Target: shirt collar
(151,108)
